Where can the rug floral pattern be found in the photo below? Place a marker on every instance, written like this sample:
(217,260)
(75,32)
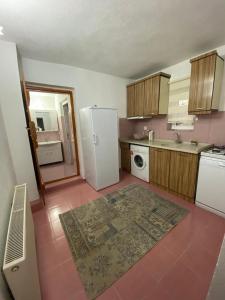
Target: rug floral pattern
(109,235)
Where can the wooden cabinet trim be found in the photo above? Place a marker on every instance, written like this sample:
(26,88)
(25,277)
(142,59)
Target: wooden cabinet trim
(125,145)
(150,76)
(217,84)
(214,52)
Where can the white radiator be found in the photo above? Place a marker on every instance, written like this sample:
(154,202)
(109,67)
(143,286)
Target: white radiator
(20,260)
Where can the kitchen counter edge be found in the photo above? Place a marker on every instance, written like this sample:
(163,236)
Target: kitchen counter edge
(177,147)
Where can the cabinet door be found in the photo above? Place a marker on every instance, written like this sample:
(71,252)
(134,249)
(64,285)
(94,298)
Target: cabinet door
(130,101)
(201,85)
(125,157)
(48,154)
(183,173)
(151,101)
(159,166)
(139,98)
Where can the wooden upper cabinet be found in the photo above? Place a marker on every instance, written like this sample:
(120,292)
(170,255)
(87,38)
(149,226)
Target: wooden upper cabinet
(139,98)
(130,101)
(205,83)
(149,96)
(151,103)
(156,95)
(159,166)
(183,173)
(135,99)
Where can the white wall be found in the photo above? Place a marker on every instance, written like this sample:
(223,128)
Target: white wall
(90,87)
(40,101)
(14,118)
(7,182)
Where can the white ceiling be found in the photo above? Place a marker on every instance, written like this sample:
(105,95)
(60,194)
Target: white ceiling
(128,38)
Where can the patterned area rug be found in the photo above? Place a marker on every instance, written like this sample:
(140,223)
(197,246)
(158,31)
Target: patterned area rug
(109,235)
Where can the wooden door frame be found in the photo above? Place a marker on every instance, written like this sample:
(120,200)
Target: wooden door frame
(62,104)
(40,184)
(33,87)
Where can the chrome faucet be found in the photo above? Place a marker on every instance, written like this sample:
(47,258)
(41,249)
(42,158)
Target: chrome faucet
(178,138)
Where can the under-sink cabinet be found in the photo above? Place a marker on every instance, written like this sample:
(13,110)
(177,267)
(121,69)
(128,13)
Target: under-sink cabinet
(183,173)
(48,153)
(149,96)
(175,171)
(159,166)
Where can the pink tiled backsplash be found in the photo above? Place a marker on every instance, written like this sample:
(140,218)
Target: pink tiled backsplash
(46,136)
(208,128)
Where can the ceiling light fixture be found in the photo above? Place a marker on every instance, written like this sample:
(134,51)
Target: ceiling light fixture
(1,30)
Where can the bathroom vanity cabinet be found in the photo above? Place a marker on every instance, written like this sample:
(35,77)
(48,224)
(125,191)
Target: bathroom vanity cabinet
(49,152)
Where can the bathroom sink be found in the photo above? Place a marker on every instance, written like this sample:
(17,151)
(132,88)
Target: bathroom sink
(48,143)
(171,144)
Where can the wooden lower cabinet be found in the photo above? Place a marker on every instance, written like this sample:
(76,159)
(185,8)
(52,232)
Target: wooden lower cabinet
(159,166)
(125,157)
(175,171)
(183,173)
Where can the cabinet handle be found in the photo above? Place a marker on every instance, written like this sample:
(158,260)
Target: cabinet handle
(94,139)
(200,108)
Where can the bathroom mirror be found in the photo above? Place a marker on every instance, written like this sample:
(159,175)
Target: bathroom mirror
(45,120)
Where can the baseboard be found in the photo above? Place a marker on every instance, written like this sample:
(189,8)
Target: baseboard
(36,205)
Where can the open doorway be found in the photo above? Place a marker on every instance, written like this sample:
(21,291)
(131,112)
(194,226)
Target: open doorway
(52,113)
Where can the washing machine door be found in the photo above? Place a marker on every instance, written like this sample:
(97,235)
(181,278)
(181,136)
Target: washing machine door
(139,161)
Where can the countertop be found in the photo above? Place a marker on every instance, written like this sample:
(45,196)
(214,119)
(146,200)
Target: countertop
(169,145)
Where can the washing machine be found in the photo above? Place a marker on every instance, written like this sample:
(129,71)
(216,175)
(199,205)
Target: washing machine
(140,161)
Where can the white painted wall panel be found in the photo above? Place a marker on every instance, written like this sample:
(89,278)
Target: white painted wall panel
(14,118)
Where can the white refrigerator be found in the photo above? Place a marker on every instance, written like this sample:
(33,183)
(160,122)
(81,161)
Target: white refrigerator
(99,134)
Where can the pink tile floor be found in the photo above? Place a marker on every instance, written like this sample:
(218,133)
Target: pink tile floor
(179,267)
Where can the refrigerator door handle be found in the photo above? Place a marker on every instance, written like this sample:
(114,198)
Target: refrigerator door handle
(94,139)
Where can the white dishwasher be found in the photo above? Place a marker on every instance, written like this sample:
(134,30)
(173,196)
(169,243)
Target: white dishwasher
(211,181)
